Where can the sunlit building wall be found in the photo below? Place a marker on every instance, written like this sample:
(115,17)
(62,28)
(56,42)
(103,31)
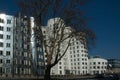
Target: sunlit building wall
(75,61)
(6,44)
(97,65)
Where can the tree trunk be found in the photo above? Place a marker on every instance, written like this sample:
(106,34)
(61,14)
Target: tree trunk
(47,73)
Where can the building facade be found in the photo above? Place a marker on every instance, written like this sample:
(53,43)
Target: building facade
(97,65)
(114,65)
(28,51)
(6,44)
(75,61)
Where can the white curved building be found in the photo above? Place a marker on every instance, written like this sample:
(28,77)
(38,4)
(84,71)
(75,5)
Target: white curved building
(97,65)
(75,61)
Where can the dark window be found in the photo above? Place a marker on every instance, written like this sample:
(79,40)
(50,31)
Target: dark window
(1,44)
(1,21)
(8,45)
(94,63)
(1,70)
(1,36)
(1,28)
(7,61)
(1,52)
(98,62)
(1,61)
(8,29)
(8,36)
(98,67)
(8,21)
(60,72)
(7,53)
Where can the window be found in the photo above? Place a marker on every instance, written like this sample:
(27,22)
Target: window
(1,21)
(8,36)
(1,44)
(76,42)
(94,63)
(98,67)
(1,28)
(1,70)
(81,50)
(60,67)
(77,46)
(98,62)
(60,72)
(7,53)
(8,45)
(1,52)
(8,29)
(7,61)
(1,61)
(1,36)
(8,21)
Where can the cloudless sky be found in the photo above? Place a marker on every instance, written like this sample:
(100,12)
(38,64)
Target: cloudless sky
(105,22)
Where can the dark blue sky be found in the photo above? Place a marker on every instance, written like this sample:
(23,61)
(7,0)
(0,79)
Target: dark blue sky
(105,22)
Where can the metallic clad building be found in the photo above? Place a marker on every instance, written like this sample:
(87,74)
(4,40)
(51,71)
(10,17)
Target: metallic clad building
(28,52)
(6,44)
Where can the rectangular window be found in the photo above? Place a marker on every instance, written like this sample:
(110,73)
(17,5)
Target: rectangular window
(1,36)
(7,44)
(1,44)
(1,52)
(8,29)
(1,61)
(8,21)
(7,53)
(1,20)
(60,72)
(1,70)
(1,28)
(8,36)
(8,61)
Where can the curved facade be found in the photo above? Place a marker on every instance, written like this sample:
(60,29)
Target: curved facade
(75,61)
(6,44)
(97,65)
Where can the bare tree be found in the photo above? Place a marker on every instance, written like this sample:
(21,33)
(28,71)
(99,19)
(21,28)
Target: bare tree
(70,23)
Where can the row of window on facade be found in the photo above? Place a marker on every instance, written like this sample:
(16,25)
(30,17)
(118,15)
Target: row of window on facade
(24,62)
(7,45)
(8,37)
(4,70)
(23,70)
(77,47)
(98,67)
(84,67)
(7,53)
(78,51)
(7,29)
(96,72)
(77,55)
(3,21)
(78,59)
(75,72)
(94,63)
(7,61)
